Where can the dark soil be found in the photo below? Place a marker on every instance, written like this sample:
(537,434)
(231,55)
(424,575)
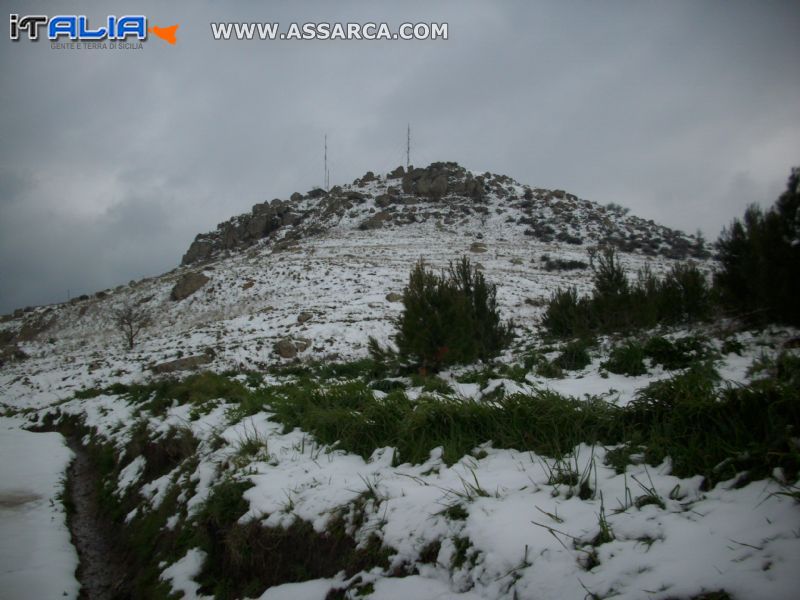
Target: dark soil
(101,570)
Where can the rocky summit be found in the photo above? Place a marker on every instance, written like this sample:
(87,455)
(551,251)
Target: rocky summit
(446,194)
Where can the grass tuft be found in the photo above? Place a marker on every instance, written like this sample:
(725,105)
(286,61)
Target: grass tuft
(573,357)
(627,359)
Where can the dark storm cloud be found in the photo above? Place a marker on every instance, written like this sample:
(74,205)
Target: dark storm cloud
(111,162)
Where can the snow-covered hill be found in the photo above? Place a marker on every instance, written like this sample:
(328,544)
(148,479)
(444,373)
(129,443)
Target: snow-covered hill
(336,259)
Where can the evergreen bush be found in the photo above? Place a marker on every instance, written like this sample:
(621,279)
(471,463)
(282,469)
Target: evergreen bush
(617,304)
(573,357)
(627,359)
(450,318)
(760,260)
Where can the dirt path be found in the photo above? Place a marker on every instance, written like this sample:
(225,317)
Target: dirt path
(101,571)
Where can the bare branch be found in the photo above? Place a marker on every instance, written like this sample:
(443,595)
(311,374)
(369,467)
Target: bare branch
(130,320)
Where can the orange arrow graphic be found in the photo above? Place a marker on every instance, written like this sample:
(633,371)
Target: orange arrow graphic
(166,33)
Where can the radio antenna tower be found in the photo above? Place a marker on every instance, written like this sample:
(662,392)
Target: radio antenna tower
(408,146)
(327,173)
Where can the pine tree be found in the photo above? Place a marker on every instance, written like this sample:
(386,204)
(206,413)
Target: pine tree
(760,260)
(450,318)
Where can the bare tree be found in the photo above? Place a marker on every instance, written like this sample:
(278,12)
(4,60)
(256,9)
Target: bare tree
(130,320)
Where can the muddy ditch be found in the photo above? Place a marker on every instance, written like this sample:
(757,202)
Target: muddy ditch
(110,564)
(121,559)
(102,569)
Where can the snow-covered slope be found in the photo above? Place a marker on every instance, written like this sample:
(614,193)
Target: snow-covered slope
(322,272)
(328,263)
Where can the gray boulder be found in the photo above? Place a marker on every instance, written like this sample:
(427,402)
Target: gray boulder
(397,173)
(376,221)
(424,186)
(478,247)
(474,187)
(407,184)
(200,249)
(302,344)
(256,225)
(286,348)
(188,285)
(439,186)
(285,246)
(289,348)
(383,200)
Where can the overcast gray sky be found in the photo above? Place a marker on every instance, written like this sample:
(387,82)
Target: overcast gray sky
(112,161)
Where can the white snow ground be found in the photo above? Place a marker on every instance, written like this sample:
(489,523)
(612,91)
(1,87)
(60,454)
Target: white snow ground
(37,559)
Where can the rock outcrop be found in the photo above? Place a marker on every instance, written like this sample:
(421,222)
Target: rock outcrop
(376,221)
(448,193)
(242,231)
(290,347)
(442,178)
(188,285)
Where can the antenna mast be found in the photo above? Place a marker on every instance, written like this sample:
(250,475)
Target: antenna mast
(408,146)
(327,173)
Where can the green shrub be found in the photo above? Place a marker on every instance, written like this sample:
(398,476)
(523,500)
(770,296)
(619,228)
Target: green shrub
(787,369)
(481,377)
(431,384)
(299,370)
(450,318)
(676,355)
(559,264)
(514,372)
(549,369)
(350,417)
(365,367)
(199,390)
(706,430)
(87,393)
(627,359)
(717,433)
(682,295)
(573,357)
(387,385)
(732,346)
(567,314)
(784,368)
(759,276)
(714,431)
(661,351)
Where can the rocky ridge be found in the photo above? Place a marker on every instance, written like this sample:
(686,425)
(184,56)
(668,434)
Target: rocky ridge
(446,193)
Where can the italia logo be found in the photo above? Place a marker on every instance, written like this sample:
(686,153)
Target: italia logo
(78,28)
